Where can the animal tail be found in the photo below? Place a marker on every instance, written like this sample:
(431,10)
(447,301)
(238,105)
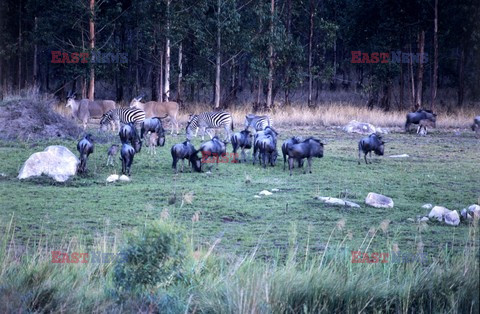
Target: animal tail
(231,124)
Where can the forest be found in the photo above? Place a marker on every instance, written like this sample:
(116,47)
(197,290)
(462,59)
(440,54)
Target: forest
(233,52)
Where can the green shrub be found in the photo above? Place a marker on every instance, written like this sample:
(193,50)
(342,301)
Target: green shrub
(152,258)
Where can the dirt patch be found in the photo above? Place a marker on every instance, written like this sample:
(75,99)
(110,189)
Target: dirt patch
(25,119)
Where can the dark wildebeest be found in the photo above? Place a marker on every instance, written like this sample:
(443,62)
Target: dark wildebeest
(183,151)
(127,152)
(271,134)
(111,153)
(309,148)
(213,149)
(153,125)
(368,144)
(288,143)
(423,125)
(128,133)
(242,140)
(85,148)
(476,126)
(416,117)
(158,109)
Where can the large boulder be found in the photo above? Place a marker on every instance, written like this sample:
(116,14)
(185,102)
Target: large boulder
(452,218)
(57,162)
(362,128)
(378,200)
(474,210)
(438,212)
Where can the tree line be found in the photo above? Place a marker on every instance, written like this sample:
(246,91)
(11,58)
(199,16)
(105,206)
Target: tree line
(219,50)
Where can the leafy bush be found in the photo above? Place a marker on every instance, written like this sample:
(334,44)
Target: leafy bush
(152,258)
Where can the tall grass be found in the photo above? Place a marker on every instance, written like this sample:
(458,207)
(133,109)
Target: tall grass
(218,283)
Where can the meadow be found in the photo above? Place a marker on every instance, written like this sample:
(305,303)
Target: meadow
(289,236)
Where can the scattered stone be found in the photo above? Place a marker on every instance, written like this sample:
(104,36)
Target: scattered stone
(58,162)
(112,178)
(411,219)
(257,196)
(337,201)
(424,219)
(3,175)
(474,210)
(359,127)
(275,190)
(452,218)
(124,178)
(438,212)
(399,156)
(265,192)
(427,206)
(378,200)
(464,214)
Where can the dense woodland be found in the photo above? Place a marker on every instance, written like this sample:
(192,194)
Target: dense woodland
(227,52)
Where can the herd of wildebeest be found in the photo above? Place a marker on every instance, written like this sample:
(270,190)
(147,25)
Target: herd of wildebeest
(262,139)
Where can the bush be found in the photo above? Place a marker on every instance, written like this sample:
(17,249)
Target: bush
(152,258)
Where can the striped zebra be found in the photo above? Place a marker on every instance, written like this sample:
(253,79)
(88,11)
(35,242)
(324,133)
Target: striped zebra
(259,123)
(210,120)
(121,115)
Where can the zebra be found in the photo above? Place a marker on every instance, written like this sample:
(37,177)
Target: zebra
(210,120)
(123,115)
(259,123)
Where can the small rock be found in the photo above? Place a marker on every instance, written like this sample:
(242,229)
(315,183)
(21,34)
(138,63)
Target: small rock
(452,218)
(438,212)
(474,210)
(112,178)
(265,192)
(378,200)
(257,196)
(399,156)
(337,201)
(3,175)
(124,178)
(424,219)
(352,204)
(362,128)
(411,219)
(275,190)
(464,213)
(427,206)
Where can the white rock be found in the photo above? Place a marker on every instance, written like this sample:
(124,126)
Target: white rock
(424,219)
(411,219)
(257,196)
(352,204)
(359,127)
(378,200)
(399,156)
(474,210)
(427,206)
(438,212)
(452,218)
(265,192)
(124,178)
(112,178)
(58,162)
(337,201)
(275,190)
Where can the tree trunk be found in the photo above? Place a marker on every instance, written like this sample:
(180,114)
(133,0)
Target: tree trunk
(421,49)
(435,57)
(310,53)
(180,73)
(259,91)
(160,99)
(91,87)
(35,62)
(19,50)
(461,77)
(412,81)
(167,56)
(270,57)
(218,59)
(402,87)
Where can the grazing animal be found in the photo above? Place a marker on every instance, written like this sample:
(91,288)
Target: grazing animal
(153,143)
(85,148)
(210,120)
(258,123)
(476,126)
(154,125)
(85,109)
(423,125)
(183,151)
(128,133)
(286,145)
(368,144)
(158,109)
(111,153)
(127,152)
(309,148)
(268,132)
(213,149)
(121,115)
(242,140)
(416,117)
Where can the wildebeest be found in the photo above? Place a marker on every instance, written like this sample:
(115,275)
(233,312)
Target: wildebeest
(128,133)
(476,126)
(158,109)
(423,125)
(111,153)
(373,142)
(416,117)
(242,140)
(183,151)
(288,143)
(154,125)
(127,152)
(85,109)
(309,148)
(265,146)
(85,148)
(213,149)
(258,123)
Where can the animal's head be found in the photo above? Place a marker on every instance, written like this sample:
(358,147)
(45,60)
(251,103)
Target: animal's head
(270,130)
(135,103)
(103,122)
(70,101)
(379,150)
(137,145)
(89,137)
(248,120)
